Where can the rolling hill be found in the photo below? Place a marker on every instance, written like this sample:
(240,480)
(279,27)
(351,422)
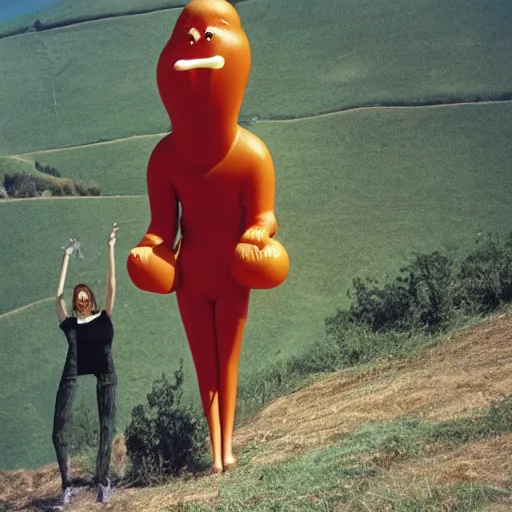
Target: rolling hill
(400,435)
(358,190)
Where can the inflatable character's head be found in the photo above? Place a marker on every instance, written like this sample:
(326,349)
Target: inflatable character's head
(203,69)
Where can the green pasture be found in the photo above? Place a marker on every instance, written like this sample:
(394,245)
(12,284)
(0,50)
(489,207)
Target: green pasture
(118,167)
(451,154)
(357,193)
(12,164)
(66,89)
(96,80)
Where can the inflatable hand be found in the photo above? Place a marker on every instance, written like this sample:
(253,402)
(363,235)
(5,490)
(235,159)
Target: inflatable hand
(152,268)
(260,262)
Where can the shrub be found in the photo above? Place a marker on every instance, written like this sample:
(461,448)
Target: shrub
(23,185)
(164,438)
(381,309)
(485,276)
(20,185)
(47,169)
(429,287)
(419,298)
(429,295)
(87,188)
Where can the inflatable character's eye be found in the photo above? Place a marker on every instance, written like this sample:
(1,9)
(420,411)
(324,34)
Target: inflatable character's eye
(193,36)
(208,36)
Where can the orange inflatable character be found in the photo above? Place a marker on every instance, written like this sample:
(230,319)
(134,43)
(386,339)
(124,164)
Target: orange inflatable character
(223,177)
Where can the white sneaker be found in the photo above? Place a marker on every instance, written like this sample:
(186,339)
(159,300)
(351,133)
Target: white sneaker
(104,493)
(66,495)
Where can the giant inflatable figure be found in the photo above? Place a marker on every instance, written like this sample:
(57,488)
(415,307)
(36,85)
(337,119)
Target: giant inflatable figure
(223,177)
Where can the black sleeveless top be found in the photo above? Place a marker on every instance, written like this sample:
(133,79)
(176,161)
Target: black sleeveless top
(90,344)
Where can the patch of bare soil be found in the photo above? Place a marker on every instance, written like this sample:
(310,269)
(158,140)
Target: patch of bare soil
(470,370)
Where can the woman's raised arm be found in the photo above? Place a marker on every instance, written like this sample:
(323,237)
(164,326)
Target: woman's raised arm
(110,294)
(60,303)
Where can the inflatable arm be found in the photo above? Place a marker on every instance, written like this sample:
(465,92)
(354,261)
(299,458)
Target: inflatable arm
(260,261)
(152,264)
(258,198)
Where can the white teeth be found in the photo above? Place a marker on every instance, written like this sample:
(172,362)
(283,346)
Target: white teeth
(216,62)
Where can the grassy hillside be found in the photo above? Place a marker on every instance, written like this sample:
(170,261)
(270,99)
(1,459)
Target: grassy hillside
(428,433)
(357,191)
(407,176)
(118,167)
(343,55)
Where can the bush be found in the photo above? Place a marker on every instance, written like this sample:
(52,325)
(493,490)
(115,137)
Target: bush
(419,298)
(429,287)
(47,169)
(23,185)
(164,438)
(85,188)
(429,295)
(382,309)
(20,185)
(485,276)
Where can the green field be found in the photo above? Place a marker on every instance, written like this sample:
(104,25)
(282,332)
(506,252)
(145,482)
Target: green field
(63,88)
(16,164)
(118,167)
(357,191)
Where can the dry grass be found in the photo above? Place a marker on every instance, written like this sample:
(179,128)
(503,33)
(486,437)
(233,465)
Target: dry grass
(486,462)
(447,382)
(23,487)
(470,370)
(118,461)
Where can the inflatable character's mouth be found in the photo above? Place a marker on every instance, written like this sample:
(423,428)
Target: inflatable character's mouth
(216,62)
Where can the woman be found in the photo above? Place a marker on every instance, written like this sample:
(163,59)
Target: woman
(89,333)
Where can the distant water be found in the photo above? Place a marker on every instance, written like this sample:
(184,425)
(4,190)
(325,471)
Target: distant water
(12,8)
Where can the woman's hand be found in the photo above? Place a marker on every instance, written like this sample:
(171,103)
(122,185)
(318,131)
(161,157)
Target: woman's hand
(70,247)
(112,236)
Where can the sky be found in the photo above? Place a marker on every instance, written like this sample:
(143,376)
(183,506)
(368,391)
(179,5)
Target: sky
(12,8)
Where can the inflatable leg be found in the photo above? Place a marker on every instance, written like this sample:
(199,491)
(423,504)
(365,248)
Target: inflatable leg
(197,315)
(230,317)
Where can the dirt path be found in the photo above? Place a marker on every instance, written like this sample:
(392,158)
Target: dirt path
(91,144)
(21,159)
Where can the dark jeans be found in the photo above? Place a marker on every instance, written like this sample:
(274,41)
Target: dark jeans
(106,396)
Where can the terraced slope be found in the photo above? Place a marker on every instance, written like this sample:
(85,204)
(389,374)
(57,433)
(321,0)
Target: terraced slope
(61,87)
(358,191)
